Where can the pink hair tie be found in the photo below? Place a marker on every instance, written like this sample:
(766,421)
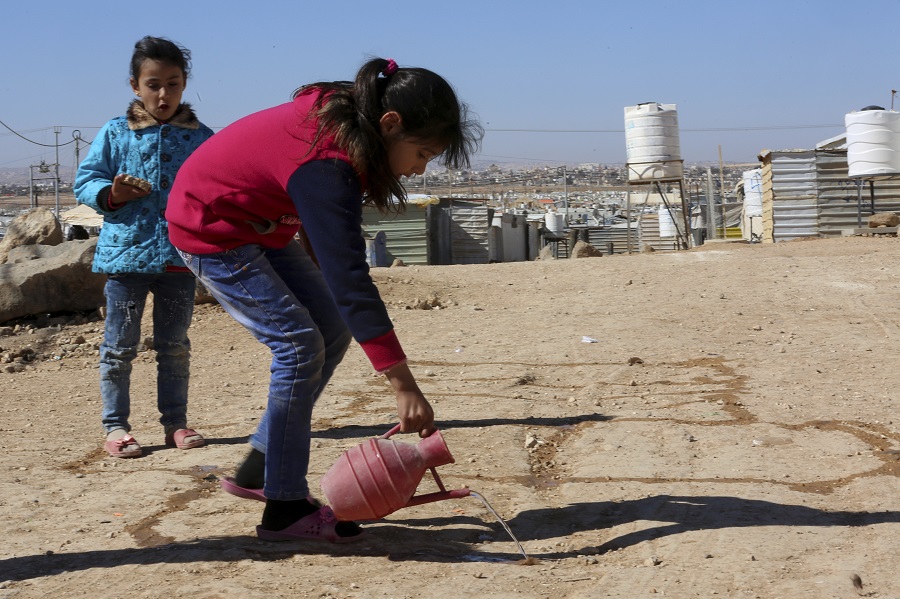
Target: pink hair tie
(390,68)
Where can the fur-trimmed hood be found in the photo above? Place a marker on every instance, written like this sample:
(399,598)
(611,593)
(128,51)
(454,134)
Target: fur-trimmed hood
(139,118)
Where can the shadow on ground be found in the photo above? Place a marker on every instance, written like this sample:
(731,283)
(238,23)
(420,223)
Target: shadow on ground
(457,542)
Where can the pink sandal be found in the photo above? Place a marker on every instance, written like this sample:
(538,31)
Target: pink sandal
(125,447)
(318,526)
(184,438)
(230,486)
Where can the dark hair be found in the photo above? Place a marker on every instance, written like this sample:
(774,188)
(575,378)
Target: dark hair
(163,50)
(428,108)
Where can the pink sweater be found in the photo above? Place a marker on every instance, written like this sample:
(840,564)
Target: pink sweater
(253,183)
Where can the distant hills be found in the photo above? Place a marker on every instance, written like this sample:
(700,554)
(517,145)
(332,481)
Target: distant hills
(22,176)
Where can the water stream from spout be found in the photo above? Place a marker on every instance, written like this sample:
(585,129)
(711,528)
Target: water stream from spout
(501,521)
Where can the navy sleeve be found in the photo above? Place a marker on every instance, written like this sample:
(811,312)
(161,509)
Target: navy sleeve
(328,199)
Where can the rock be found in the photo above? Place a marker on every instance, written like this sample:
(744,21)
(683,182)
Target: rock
(583,249)
(546,253)
(42,279)
(37,226)
(202,296)
(884,219)
(397,262)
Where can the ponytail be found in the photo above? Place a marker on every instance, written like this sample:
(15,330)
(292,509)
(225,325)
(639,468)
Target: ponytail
(428,108)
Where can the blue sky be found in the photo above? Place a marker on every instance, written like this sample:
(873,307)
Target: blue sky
(744,75)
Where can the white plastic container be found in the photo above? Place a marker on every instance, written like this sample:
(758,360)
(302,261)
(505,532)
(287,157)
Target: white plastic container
(652,143)
(666,225)
(555,223)
(514,229)
(873,143)
(753,192)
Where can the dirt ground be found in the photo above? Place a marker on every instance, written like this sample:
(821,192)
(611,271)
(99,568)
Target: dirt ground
(718,422)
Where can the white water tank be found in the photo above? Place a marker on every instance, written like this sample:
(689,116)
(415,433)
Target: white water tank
(666,224)
(555,223)
(873,142)
(652,144)
(753,192)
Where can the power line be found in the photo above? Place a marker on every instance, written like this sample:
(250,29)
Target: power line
(31,141)
(690,130)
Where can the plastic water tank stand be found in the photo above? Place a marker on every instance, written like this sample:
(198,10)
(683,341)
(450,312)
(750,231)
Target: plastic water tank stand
(681,234)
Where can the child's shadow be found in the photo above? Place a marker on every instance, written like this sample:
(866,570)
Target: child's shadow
(678,513)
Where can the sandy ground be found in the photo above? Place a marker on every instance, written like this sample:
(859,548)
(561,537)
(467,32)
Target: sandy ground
(733,432)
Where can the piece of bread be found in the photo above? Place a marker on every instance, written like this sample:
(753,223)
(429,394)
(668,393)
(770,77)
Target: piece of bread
(137,182)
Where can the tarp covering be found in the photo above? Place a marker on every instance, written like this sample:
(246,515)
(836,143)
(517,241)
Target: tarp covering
(82,215)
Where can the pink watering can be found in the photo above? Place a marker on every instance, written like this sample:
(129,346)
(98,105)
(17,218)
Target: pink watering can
(379,476)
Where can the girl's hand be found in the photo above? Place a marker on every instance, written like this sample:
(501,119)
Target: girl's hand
(416,414)
(123,190)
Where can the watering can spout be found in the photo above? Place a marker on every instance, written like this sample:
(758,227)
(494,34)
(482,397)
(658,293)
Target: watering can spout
(434,450)
(380,476)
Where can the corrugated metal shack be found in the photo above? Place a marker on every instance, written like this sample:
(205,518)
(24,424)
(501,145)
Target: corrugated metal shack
(433,231)
(789,194)
(610,239)
(436,231)
(809,193)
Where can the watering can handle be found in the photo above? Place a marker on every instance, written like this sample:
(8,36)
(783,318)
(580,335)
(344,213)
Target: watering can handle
(388,434)
(394,430)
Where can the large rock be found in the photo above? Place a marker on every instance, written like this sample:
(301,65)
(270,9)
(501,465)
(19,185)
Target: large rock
(42,279)
(37,226)
(583,249)
(546,253)
(884,219)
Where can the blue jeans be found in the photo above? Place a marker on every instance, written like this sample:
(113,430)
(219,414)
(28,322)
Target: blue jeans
(173,307)
(280,296)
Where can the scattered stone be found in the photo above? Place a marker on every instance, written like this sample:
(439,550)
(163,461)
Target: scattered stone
(531,442)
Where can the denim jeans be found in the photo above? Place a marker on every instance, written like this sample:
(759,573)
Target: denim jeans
(173,307)
(280,296)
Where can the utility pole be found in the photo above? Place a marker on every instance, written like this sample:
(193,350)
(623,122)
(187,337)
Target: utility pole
(722,192)
(710,206)
(76,135)
(56,131)
(31,199)
(566,193)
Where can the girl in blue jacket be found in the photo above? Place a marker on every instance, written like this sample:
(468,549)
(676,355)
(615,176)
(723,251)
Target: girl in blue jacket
(126,177)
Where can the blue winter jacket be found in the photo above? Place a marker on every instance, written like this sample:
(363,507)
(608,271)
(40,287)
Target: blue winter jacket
(135,236)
